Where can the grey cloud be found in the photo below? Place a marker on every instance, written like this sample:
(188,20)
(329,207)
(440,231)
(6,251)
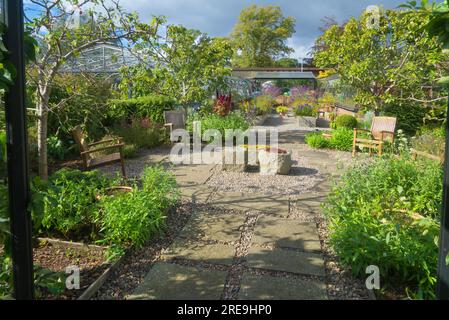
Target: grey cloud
(217,17)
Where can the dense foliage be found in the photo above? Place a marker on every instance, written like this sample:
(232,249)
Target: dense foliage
(184,64)
(341,139)
(385,212)
(133,218)
(69,203)
(79,206)
(151,106)
(409,117)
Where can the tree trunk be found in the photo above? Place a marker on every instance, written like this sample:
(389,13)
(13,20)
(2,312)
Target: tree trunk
(42,124)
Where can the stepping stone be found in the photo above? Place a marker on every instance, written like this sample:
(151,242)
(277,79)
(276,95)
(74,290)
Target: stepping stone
(174,282)
(285,233)
(274,288)
(252,202)
(219,227)
(198,251)
(287,261)
(195,193)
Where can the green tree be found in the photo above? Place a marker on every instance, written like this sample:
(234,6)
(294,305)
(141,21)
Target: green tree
(184,64)
(63,33)
(287,63)
(260,36)
(395,62)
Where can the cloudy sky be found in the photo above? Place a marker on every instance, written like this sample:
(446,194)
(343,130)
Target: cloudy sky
(217,17)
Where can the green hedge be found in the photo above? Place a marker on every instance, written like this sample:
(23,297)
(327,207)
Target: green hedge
(409,117)
(152,107)
(346,121)
(386,213)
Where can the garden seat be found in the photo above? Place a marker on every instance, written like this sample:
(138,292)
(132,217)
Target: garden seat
(382,130)
(175,119)
(89,149)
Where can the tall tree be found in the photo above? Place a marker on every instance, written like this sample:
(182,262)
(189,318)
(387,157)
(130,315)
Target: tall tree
(64,28)
(260,36)
(395,62)
(287,63)
(184,64)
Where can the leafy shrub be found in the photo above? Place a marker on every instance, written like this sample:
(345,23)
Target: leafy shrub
(140,135)
(264,104)
(346,121)
(342,139)
(305,111)
(234,121)
(78,100)
(409,117)
(317,141)
(151,107)
(385,213)
(431,141)
(69,203)
(56,148)
(133,218)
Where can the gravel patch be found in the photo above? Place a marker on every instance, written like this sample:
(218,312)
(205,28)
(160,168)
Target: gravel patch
(302,178)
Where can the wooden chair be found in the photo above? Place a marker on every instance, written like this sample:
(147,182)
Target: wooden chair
(175,119)
(87,151)
(382,130)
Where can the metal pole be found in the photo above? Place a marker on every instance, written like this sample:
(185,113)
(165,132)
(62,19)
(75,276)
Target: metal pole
(443,268)
(17,156)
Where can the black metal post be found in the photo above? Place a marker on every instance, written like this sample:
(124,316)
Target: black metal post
(443,268)
(17,156)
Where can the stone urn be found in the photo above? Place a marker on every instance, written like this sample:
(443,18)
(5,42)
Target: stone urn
(275,161)
(235,159)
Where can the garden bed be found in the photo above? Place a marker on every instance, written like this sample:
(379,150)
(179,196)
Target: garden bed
(56,256)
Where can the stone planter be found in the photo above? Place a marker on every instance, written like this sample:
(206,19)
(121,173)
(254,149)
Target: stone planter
(232,159)
(275,162)
(306,122)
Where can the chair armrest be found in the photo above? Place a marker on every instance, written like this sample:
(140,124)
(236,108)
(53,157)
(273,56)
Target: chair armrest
(115,146)
(386,133)
(103,142)
(168,125)
(356,130)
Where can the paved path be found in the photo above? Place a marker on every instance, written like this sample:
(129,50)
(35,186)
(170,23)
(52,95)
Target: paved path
(244,246)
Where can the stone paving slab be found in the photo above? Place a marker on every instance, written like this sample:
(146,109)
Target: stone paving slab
(287,261)
(196,193)
(199,251)
(286,233)
(273,288)
(219,227)
(252,202)
(175,282)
